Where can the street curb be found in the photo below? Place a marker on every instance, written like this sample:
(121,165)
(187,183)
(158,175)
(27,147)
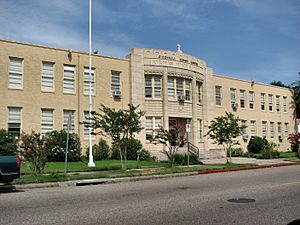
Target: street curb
(140,178)
(247,168)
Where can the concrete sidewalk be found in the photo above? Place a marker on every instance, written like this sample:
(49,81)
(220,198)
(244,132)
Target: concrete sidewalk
(246,160)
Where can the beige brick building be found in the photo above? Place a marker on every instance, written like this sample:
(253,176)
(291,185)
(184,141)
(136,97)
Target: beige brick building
(40,86)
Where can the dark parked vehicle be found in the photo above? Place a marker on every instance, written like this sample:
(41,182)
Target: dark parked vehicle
(9,168)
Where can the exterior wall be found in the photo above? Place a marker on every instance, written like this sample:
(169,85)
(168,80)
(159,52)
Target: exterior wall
(31,99)
(257,114)
(133,68)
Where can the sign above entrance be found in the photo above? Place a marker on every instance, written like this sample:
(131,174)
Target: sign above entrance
(172,58)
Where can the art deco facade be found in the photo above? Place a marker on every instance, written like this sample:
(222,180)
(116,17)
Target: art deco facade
(40,86)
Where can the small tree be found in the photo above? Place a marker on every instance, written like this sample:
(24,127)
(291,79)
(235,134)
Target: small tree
(8,143)
(172,140)
(119,125)
(294,140)
(223,130)
(33,151)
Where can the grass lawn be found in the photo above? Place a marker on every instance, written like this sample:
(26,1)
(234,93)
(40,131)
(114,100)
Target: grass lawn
(288,155)
(149,168)
(103,165)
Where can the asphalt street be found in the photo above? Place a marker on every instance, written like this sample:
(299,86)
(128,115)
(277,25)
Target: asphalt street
(274,195)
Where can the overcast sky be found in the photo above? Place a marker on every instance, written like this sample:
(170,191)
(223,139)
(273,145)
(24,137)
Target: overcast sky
(248,39)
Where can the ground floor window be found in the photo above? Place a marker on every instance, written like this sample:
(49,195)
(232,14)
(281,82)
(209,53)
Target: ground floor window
(200,130)
(14,120)
(153,124)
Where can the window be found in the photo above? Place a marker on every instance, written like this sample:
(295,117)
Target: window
(263,101)
(66,116)
(242,99)
(86,77)
(278,103)
(199,89)
(152,86)
(46,121)
(279,129)
(264,129)
(251,99)
(157,87)
(232,96)
(14,120)
(47,76)
(179,87)
(86,130)
(15,74)
(286,130)
(69,79)
(271,103)
(115,81)
(171,89)
(188,90)
(284,104)
(244,123)
(252,128)
(200,130)
(218,95)
(272,129)
(152,125)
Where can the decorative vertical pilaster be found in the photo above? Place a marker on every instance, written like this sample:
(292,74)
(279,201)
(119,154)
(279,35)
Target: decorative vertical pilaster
(165,100)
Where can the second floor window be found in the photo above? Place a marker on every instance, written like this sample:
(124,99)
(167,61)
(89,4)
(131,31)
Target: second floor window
(232,96)
(199,90)
(115,81)
(152,86)
(271,103)
(218,95)
(242,99)
(188,90)
(251,99)
(47,76)
(179,87)
(86,77)
(263,101)
(284,104)
(278,103)
(69,79)
(15,74)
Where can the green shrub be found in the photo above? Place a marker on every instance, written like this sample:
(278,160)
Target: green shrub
(236,152)
(8,143)
(182,159)
(55,146)
(269,152)
(100,151)
(133,146)
(256,144)
(144,155)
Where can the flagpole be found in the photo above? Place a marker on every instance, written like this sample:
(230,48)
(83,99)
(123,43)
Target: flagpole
(91,161)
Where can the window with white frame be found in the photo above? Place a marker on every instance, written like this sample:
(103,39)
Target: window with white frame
(232,96)
(14,120)
(264,129)
(47,76)
(272,130)
(152,86)
(284,104)
(46,120)
(199,90)
(171,88)
(68,113)
(242,98)
(15,73)
(244,124)
(188,90)
(69,79)
(179,87)
(263,101)
(271,103)
(252,128)
(200,130)
(218,92)
(115,81)
(153,124)
(251,99)
(286,130)
(157,87)
(277,103)
(86,77)
(86,130)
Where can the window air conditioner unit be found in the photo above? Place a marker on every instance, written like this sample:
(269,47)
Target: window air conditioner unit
(181,98)
(117,94)
(234,105)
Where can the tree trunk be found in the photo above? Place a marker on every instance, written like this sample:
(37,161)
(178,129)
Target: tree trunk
(121,157)
(225,149)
